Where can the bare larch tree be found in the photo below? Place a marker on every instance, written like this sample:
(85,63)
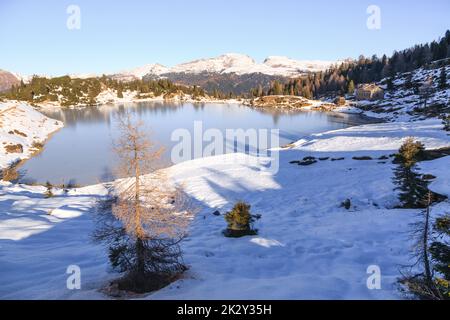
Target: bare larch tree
(148,217)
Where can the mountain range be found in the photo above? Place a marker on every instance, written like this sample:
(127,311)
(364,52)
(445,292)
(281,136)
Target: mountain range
(230,72)
(233,63)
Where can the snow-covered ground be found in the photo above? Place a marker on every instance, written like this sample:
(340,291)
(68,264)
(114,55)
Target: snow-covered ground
(307,247)
(402,103)
(21,125)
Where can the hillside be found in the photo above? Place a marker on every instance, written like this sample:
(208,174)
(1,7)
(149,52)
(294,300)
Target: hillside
(404,100)
(77,92)
(7,80)
(222,82)
(23,131)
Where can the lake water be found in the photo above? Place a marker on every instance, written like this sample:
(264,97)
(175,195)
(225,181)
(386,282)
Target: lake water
(82,150)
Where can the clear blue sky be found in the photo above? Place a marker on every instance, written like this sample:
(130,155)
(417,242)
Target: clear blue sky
(117,35)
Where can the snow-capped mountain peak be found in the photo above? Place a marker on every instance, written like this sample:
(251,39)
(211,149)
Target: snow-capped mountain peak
(244,64)
(154,68)
(226,63)
(286,65)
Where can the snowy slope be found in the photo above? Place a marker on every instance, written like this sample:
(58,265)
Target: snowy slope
(307,246)
(404,103)
(21,125)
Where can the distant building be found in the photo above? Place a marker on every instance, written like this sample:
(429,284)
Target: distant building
(369,92)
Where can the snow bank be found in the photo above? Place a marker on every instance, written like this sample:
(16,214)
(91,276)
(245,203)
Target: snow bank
(21,125)
(377,137)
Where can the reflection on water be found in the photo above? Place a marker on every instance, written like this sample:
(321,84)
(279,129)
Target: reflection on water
(82,150)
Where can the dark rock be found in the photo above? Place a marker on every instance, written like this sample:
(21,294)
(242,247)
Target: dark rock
(323,159)
(216,213)
(428,177)
(307,162)
(346,204)
(337,159)
(364,158)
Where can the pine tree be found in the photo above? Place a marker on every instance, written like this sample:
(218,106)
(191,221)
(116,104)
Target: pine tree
(409,82)
(260,91)
(412,188)
(390,83)
(49,192)
(277,88)
(119,93)
(351,87)
(443,79)
(239,221)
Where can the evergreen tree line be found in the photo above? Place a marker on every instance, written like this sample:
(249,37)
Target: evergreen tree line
(74,91)
(342,79)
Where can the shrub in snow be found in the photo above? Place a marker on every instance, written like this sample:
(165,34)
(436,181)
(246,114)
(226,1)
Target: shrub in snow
(37,145)
(346,204)
(239,221)
(48,193)
(10,174)
(14,148)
